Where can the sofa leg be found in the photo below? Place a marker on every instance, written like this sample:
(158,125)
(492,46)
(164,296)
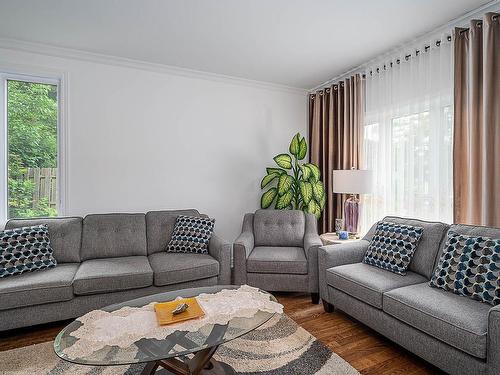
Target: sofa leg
(327,306)
(315,298)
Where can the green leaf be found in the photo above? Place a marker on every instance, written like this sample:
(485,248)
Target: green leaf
(284,184)
(306,172)
(283,160)
(306,191)
(268,179)
(268,197)
(294,145)
(284,200)
(318,190)
(313,208)
(302,149)
(275,170)
(322,202)
(316,174)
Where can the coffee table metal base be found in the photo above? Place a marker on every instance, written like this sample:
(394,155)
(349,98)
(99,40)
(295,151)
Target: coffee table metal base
(201,364)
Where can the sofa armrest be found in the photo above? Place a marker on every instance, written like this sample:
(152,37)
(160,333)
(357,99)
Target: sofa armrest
(221,250)
(242,248)
(494,340)
(338,255)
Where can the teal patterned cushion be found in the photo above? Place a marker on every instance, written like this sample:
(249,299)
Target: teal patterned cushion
(470,266)
(24,250)
(191,235)
(392,246)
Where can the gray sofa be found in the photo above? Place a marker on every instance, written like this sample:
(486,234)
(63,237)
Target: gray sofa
(455,333)
(277,251)
(105,259)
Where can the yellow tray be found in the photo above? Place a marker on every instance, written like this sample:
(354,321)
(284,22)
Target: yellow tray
(164,311)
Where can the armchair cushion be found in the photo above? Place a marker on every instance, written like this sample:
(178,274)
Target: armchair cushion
(282,260)
(279,228)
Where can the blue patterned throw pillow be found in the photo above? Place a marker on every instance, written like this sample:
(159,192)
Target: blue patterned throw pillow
(191,235)
(470,266)
(392,246)
(24,250)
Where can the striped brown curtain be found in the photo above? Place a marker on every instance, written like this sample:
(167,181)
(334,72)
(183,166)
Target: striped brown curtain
(335,123)
(476,144)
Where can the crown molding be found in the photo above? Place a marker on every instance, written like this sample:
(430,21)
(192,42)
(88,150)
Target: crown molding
(68,53)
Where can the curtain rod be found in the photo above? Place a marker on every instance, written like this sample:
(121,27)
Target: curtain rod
(491,6)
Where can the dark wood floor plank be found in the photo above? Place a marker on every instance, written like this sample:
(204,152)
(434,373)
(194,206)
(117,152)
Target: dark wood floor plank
(366,350)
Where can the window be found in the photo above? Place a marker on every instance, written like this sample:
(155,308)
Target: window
(407,138)
(30,147)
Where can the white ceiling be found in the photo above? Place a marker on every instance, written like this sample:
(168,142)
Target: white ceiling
(298,43)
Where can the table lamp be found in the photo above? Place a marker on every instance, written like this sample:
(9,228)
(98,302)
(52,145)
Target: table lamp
(352,182)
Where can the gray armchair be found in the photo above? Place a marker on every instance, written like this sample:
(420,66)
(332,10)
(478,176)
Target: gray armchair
(277,250)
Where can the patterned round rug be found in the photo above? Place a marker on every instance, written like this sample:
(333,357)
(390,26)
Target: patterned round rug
(279,347)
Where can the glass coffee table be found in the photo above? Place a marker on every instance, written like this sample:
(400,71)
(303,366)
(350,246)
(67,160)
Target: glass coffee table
(179,352)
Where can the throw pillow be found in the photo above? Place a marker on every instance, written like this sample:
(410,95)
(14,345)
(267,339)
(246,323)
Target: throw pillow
(470,266)
(24,250)
(392,246)
(191,235)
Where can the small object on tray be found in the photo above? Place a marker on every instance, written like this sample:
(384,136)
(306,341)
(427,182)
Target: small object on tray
(178,311)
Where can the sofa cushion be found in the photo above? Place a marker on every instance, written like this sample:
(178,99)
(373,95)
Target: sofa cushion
(428,247)
(283,260)
(392,246)
(173,268)
(279,228)
(112,274)
(25,249)
(470,266)
(36,288)
(458,321)
(368,283)
(113,235)
(65,235)
(160,225)
(191,235)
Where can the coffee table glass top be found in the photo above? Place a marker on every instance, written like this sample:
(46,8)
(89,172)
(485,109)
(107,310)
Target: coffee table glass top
(178,343)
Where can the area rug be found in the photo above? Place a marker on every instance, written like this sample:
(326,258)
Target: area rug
(279,347)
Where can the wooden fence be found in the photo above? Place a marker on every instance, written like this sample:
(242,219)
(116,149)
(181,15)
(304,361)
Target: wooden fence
(45,180)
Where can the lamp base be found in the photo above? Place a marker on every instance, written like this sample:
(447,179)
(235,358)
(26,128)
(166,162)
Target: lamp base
(351,214)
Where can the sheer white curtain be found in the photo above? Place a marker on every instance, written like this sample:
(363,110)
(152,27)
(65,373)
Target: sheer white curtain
(407,135)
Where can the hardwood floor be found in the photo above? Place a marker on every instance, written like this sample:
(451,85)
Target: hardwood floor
(363,348)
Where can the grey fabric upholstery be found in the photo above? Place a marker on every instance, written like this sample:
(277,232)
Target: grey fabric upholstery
(220,250)
(442,355)
(242,247)
(337,255)
(35,288)
(276,282)
(160,225)
(79,305)
(428,247)
(264,259)
(494,340)
(113,235)
(174,268)
(458,321)
(65,235)
(368,283)
(279,228)
(112,274)
(278,250)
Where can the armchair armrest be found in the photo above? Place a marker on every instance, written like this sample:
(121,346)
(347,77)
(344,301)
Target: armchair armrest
(338,255)
(311,244)
(242,248)
(493,349)
(221,250)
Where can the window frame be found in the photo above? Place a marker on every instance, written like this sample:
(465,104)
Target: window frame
(57,80)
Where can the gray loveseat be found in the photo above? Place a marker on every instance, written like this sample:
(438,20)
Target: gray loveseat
(105,259)
(455,333)
(277,251)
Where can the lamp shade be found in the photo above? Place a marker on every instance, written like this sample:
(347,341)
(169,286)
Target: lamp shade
(352,181)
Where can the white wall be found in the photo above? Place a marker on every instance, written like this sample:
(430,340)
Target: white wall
(143,140)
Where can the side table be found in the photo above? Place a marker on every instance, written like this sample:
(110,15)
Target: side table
(333,239)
